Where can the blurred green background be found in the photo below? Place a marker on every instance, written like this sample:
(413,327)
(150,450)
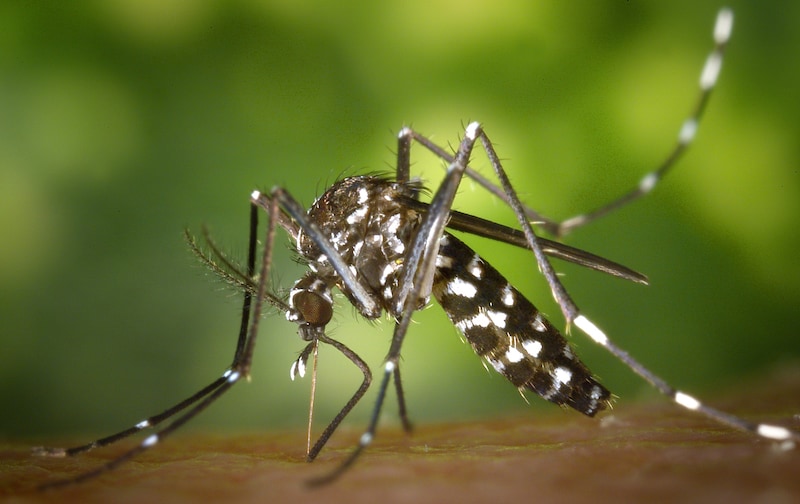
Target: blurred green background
(122,122)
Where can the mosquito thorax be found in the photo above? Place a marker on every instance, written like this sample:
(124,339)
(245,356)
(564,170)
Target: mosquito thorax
(369,226)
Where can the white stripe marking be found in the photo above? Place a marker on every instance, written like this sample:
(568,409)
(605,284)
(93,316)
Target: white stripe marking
(393,224)
(357,215)
(298,368)
(461,287)
(513,355)
(649,181)
(687,401)
(591,330)
(711,71)
(497,365)
(475,267)
(538,323)
(508,296)
(363,195)
(388,270)
(443,261)
(688,131)
(562,375)
(480,320)
(472,130)
(723,26)
(533,347)
(774,432)
(498,318)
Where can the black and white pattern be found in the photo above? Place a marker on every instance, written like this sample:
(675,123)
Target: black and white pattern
(371,238)
(503,327)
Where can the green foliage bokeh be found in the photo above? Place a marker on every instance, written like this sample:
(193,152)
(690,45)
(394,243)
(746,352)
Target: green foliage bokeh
(123,122)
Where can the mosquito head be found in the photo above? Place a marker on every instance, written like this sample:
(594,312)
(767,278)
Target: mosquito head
(310,306)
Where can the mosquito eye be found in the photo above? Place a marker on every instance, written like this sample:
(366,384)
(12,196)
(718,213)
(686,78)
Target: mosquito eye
(314,309)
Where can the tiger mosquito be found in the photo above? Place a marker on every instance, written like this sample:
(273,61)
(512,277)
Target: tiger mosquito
(372,239)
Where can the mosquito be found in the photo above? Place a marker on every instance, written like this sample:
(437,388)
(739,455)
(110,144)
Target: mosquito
(387,252)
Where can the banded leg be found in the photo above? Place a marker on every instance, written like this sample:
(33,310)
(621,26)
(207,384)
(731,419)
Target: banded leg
(767,431)
(772,432)
(686,135)
(195,403)
(708,78)
(240,366)
(787,437)
(709,75)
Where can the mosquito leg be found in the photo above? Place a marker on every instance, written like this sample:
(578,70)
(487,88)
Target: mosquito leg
(573,315)
(227,381)
(403,171)
(425,243)
(708,79)
(144,424)
(196,403)
(450,184)
(787,437)
(251,271)
(562,297)
(366,438)
(245,357)
(401,401)
(362,389)
(469,172)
